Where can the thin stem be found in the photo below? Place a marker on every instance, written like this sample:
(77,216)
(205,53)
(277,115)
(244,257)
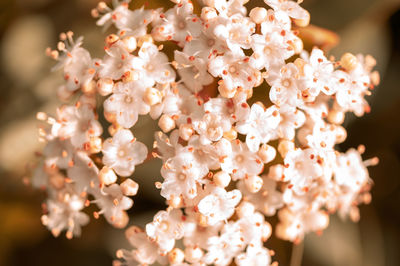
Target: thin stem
(297,254)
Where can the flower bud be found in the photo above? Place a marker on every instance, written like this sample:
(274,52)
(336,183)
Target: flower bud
(193,254)
(303,22)
(267,153)
(130,43)
(276,173)
(253,183)
(107,176)
(245,209)
(95,145)
(258,15)
(143,39)
(341,134)
(175,202)
(348,61)
(105,86)
(297,45)
(89,88)
(222,179)
(225,91)
(166,123)
(152,96)
(185,131)
(336,117)
(285,146)
(129,187)
(231,134)
(176,256)
(208,13)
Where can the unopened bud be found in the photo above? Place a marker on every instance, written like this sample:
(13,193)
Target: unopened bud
(245,209)
(267,153)
(105,86)
(130,43)
(175,201)
(222,179)
(231,134)
(303,22)
(208,13)
(348,61)
(152,96)
(225,91)
(129,187)
(193,254)
(253,183)
(285,146)
(95,145)
(176,256)
(143,39)
(258,15)
(297,45)
(107,176)
(112,38)
(89,88)
(336,117)
(166,123)
(185,131)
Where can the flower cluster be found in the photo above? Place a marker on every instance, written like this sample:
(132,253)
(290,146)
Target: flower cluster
(229,161)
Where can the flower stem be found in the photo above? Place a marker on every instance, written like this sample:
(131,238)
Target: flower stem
(297,254)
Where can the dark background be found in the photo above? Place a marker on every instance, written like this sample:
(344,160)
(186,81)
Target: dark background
(27,27)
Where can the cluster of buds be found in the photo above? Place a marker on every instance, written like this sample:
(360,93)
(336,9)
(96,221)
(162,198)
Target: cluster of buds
(230,161)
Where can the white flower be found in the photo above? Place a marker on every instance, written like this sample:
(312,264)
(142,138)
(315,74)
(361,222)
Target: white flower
(267,200)
(291,119)
(211,127)
(146,252)
(193,71)
(113,204)
(77,123)
(241,161)
(58,153)
(292,8)
(133,22)
(260,126)
(222,249)
(126,103)
(233,109)
(154,64)
(302,167)
(350,171)
(122,152)
(165,228)
(66,214)
(198,235)
(236,32)
(116,62)
(286,86)
(84,173)
(318,71)
(351,89)
(269,51)
(178,24)
(234,69)
(181,174)
(255,230)
(294,225)
(255,255)
(220,205)
(79,68)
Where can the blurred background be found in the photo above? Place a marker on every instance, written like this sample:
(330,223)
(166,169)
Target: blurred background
(27,86)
